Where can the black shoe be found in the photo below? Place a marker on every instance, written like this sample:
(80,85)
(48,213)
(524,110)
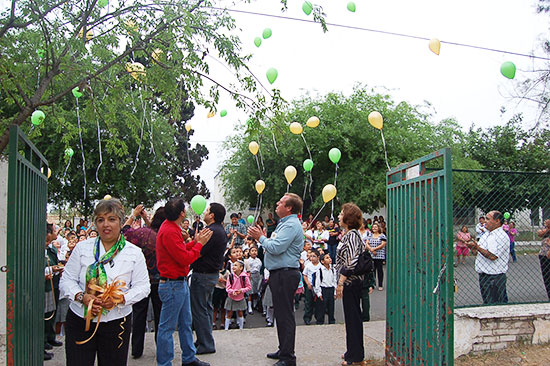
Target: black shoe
(55,343)
(273,356)
(285,363)
(47,356)
(196,362)
(47,346)
(137,356)
(307,322)
(201,352)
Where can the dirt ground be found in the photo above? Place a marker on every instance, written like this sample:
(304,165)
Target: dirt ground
(524,355)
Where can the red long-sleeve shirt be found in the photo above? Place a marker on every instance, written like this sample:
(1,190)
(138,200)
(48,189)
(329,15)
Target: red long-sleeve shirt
(173,255)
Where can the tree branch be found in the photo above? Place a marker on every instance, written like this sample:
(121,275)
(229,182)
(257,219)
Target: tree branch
(10,23)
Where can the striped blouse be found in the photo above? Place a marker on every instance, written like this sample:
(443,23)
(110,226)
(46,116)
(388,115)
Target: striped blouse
(347,253)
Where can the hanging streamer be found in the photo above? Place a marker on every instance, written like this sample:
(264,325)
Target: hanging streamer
(307,147)
(187,149)
(274,142)
(81,146)
(258,164)
(150,124)
(98,138)
(67,167)
(385,151)
(262,160)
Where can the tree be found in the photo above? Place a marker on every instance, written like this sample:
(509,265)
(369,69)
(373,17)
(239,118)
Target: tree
(344,124)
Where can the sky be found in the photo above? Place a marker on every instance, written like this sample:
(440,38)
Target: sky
(461,83)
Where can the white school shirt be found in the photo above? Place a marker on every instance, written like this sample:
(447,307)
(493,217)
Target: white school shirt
(128,265)
(254,265)
(498,243)
(329,279)
(309,269)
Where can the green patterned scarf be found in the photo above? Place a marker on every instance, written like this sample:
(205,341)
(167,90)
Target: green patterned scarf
(96,271)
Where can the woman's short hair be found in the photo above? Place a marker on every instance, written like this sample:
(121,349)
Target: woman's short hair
(353,216)
(111,205)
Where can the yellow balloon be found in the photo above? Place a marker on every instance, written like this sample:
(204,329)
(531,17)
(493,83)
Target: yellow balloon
(89,34)
(131,25)
(313,122)
(156,54)
(376,120)
(296,128)
(136,70)
(210,114)
(329,192)
(49,173)
(188,126)
(107,197)
(253,147)
(290,173)
(260,186)
(435,45)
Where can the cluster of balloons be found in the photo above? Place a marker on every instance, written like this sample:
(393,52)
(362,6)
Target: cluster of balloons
(296,128)
(265,34)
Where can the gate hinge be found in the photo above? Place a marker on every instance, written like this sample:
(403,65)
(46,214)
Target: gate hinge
(4,269)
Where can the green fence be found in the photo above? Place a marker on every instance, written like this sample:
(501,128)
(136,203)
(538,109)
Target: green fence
(419,305)
(525,196)
(26,238)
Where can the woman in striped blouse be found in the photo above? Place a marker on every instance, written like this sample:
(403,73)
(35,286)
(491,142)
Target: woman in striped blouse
(349,285)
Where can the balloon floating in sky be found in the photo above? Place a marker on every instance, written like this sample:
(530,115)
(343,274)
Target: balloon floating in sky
(267,33)
(258,41)
(76,92)
(250,219)
(508,69)
(40,52)
(506,215)
(37,117)
(260,186)
(198,204)
(351,6)
(136,70)
(296,128)
(376,120)
(312,122)
(69,152)
(223,113)
(102,3)
(107,197)
(334,155)
(435,45)
(253,147)
(188,126)
(210,114)
(308,165)
(329,192)
(307,7)
(290,173)
(271,75)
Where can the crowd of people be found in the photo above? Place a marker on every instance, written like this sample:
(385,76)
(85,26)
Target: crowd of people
(195,274)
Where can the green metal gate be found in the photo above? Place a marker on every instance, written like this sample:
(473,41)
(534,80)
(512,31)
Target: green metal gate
(419,325)
(26,238)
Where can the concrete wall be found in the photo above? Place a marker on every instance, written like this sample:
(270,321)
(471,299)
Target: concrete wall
(3,258)
(493,328)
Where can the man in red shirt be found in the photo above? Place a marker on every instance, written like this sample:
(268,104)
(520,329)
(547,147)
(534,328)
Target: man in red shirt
(173,259)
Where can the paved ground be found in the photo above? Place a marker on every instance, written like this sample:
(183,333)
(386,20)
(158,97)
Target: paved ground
(316,345)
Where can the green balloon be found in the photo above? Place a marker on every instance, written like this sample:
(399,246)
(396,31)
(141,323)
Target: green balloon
(102,3)
(76,92)
(258,41)
(351,6)
(223,113)
(37,117)
(334,155)
(69,152)
(272,74)
(308,165)
(267,33)
(307,7)
(198,204)
(506,215)
(250,219)
(508,69)
(40,52)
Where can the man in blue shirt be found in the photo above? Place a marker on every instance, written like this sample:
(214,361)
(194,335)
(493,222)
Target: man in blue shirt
(281,258)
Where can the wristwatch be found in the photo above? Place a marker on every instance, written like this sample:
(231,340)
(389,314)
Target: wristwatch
(79,297)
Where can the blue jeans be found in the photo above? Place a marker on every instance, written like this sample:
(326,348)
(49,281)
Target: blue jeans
(202,288)
(176,312)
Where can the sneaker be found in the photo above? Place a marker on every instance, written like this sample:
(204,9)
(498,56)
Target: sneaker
(250,311)
(269,324)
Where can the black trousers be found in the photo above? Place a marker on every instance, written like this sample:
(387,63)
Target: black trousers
(379,270)
(355,351)
(493,288)
(313,305)
(545,269)
(139,319)
(105,343)
(328,304)
(283,285)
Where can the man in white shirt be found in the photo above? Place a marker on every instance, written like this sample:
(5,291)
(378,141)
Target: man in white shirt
(492,251)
